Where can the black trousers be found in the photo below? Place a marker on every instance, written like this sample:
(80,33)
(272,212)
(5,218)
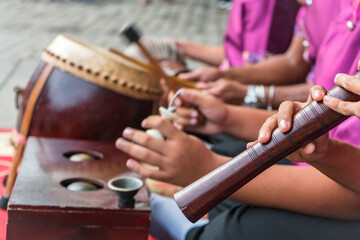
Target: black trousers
(233,220)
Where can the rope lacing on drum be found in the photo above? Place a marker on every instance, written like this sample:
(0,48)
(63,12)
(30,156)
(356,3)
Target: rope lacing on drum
(115,81)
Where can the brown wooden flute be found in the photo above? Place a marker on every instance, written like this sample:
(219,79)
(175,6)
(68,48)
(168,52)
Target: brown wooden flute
(312,121)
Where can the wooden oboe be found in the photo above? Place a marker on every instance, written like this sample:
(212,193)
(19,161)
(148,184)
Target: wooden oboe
(312,121)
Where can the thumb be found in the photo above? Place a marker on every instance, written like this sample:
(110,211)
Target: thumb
(195,97)
(202,85)
(308,148)
(215,91)
(193,75)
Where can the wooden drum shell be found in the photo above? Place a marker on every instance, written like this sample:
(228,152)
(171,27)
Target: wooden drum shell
(79,102)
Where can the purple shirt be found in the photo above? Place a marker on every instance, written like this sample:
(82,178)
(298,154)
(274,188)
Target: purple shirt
(336,50)
(258,28)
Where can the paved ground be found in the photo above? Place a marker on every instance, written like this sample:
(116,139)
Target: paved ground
(26,27)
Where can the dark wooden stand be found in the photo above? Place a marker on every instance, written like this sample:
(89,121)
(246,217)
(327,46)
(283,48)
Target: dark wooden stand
(41,208)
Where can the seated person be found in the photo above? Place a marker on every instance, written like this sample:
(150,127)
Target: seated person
(295,202)
(326,49)
(255,31)
(224,118)
(336,159)
(309,48)
(328,43)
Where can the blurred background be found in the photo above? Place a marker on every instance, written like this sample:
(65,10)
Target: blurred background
(27,26)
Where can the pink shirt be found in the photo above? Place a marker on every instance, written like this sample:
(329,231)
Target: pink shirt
(257,29)
(336,50)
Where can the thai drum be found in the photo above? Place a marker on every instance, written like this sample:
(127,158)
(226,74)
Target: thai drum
(83,91)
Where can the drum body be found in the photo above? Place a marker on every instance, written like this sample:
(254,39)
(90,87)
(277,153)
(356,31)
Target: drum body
(90,93)
(42,206)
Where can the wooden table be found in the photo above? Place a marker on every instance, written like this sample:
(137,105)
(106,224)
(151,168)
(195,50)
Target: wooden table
(40,206)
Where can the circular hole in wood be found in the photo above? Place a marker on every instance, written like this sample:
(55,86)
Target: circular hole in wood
(81,184)
(82,156)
